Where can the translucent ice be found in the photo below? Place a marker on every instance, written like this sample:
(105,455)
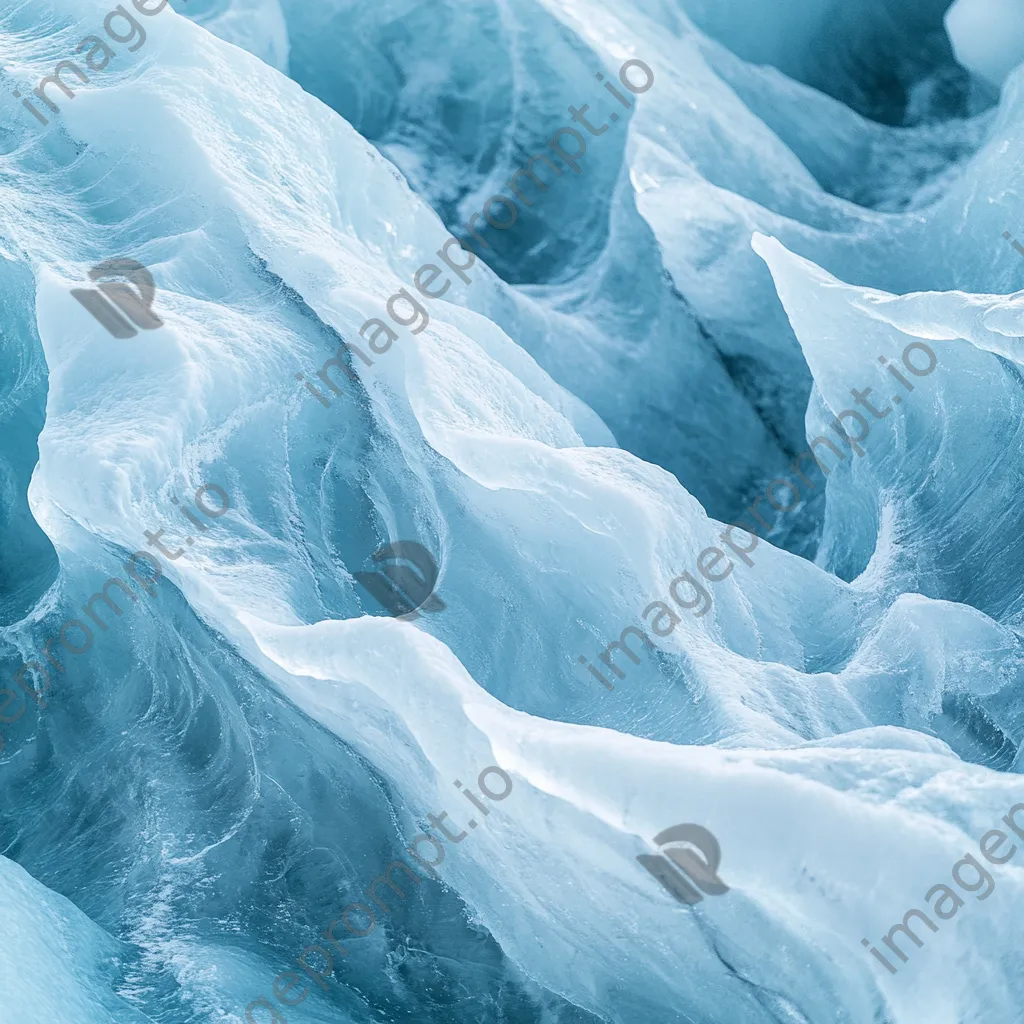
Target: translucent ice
(219,769)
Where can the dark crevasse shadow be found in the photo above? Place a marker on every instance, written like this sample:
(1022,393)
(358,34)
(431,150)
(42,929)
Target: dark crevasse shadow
(460,96)
(968,727)
(888,60)
(456,95)
(214,824)
(875,166)
(28,561)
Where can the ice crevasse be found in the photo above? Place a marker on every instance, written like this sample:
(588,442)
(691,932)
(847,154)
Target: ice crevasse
(235,757)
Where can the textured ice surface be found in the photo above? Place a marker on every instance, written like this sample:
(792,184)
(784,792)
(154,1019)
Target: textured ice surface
(988,36)
(806,186)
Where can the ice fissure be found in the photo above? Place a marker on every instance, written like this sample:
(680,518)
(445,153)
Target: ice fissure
(206,766)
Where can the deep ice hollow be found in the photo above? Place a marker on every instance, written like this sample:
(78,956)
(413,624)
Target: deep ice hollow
(238,757)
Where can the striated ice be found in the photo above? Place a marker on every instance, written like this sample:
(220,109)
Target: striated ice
(636,359)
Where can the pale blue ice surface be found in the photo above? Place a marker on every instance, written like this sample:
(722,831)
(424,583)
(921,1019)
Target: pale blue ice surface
(806,186)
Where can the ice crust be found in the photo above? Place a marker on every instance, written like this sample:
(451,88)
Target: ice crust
(233,760)
(988,36)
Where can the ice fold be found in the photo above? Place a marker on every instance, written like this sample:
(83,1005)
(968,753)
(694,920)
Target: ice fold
(238,757)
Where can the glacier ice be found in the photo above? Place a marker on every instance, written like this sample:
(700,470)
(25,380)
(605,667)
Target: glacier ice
(806,187)
(988,37)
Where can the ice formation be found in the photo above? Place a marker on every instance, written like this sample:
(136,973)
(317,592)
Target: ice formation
(221,770)
(988,36)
